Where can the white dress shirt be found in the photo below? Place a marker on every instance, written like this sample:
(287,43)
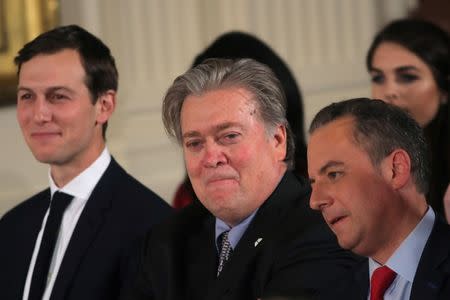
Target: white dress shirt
(80,188)
(405,259)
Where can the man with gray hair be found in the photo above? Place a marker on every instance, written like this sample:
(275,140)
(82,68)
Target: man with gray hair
(251,234)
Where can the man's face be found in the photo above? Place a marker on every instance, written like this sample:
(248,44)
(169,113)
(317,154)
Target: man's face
(55,112)
(234,164)
(354,197)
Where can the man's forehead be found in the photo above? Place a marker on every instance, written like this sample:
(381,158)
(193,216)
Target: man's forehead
(334,131)
(325,142)
(224,103)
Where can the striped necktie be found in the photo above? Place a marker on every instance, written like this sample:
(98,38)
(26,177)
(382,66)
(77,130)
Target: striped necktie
(225,251)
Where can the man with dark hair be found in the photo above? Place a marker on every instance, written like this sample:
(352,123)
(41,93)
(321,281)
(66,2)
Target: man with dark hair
(368,166)
(251,234)
(72,240)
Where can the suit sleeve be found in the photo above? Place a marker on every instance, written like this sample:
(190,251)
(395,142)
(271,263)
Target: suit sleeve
(308,264)
(136,285)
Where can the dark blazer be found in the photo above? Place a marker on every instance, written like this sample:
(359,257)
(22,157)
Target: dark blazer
(432,279)
(296,253)
(119,210)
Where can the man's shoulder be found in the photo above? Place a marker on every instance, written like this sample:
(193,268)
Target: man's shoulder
(433,272)
(125,186)
(30,206)
(288,207)
(116,174)
(438,244)
(187,224)
(189,219)
(440,229)
(351,286)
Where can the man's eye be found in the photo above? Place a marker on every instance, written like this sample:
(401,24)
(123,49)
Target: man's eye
(58,96)
(334,175)
(193,145)
(230,137)
(25,96)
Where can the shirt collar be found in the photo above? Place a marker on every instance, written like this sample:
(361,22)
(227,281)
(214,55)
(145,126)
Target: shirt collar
(406,258)
(82,185)
(236,232)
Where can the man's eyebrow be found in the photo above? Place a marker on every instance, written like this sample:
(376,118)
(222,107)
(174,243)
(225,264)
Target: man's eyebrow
(190,134)
(24,89)
(216,128)
(323,169)
(56,88)
(332,163)
(47,90)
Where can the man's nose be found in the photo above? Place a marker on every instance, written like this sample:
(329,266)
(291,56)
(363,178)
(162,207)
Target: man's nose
(42,110)
(214,155)
(319,197)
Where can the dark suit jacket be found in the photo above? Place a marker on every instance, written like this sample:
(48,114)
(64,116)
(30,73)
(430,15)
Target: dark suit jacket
(119,210)
(297,252)
(432,279)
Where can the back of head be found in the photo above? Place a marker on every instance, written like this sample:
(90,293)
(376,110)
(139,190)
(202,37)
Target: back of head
(96,58)
(235,45)
(379,129)
(215,74)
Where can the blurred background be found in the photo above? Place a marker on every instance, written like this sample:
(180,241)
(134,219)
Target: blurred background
(324,42)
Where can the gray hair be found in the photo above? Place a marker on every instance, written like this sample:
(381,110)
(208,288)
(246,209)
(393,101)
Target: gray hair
(379,129)
(217,73)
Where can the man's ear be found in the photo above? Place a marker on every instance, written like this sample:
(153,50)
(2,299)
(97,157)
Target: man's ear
(396,168)
(106,104)
(280,142)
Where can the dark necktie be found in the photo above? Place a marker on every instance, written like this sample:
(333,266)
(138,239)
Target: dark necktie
(39,279)
(225,251)
(381,279)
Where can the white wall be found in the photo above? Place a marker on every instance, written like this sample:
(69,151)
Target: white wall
(323,41)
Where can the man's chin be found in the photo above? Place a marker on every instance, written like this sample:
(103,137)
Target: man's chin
(48,158)
(346,244)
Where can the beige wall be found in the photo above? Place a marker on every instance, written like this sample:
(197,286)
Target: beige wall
(323,41)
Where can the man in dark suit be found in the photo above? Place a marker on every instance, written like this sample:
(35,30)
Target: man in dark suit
(251,234)
(72,240)
(368,167)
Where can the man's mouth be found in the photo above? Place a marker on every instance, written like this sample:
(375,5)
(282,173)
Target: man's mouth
(336,220)
(219,178)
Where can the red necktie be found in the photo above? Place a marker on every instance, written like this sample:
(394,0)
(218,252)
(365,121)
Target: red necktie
(381,279)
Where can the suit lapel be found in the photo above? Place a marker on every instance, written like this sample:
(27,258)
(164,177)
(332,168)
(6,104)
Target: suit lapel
(201,261)
(434,266)
(361,290)
(86,230)
(28,232)
(259,233)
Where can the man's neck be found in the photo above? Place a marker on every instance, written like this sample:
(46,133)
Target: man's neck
(64,173)
(404,226)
